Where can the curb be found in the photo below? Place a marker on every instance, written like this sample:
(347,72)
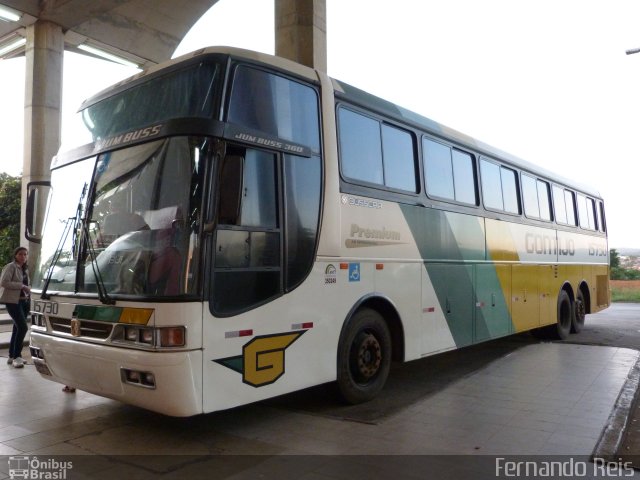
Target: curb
(612,437)
(4,345)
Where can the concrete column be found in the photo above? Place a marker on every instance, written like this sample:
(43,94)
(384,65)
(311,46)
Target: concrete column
(301,31)
(42,111)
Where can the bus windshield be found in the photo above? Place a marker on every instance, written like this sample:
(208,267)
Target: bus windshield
(184,93)
(132,230)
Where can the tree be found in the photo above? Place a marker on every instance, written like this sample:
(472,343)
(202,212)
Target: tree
(10,191)
(617,272)
(614,258)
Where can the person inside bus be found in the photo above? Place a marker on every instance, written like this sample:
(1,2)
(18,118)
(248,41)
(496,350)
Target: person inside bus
(14,293)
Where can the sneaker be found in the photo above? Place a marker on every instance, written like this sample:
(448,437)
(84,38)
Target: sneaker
(9,361)
(18,362)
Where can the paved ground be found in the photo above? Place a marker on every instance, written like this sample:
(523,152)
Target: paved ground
(508,397)
(618,326)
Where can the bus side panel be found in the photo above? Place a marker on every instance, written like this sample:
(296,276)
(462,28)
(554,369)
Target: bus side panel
(493,290)
(587,259)
(525,306)
(375,232)
(449,243)
(549,289)
(454,288)
(446,236)
(602,297)
(401,283)
(287,344)
(436,334)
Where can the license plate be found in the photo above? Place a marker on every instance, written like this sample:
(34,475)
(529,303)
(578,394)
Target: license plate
(41,367)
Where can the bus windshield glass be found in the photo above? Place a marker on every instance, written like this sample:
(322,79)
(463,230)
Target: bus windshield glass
(132,230)
(188,92)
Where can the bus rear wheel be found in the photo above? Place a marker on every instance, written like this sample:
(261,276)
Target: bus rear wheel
(579,313)
(562,328)
(364,357)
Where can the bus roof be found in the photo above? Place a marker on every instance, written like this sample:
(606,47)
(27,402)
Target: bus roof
(361,98)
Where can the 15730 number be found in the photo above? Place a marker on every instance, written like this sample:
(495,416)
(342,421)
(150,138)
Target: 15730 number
(47,308)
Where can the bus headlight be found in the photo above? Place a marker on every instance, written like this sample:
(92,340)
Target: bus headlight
(150,336)
(146,336)
(131,334)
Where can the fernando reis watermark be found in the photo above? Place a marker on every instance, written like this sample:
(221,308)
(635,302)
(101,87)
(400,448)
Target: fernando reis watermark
(33,468)
(569,468)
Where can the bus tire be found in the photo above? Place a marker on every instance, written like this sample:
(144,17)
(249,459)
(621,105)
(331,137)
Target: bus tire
(579,313)
(364,356)
(562,328)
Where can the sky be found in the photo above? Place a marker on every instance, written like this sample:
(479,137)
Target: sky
(545,80)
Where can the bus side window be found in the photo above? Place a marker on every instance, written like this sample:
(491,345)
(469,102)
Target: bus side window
(570,199)
(586,212)
(438,171)
(499,187)
(360,147)
(491,185)
(591,212)
(559,206)
(276,105)
(510,190)
(449,173)
(543,199)
(399,159)
(602,221)
(530,197)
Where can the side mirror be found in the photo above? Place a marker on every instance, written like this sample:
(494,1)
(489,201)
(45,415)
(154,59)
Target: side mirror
(37,194)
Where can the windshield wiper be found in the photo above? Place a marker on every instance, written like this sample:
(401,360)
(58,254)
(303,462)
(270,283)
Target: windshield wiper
(103,295)
(70,224)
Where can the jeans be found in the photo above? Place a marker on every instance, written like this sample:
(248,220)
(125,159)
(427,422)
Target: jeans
(18,313)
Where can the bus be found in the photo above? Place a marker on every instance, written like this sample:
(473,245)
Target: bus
(233,226)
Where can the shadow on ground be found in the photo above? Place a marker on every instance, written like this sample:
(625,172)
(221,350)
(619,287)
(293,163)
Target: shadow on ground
(407,383)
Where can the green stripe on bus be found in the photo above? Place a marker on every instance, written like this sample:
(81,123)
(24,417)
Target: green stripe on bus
(104,314)
(452,245)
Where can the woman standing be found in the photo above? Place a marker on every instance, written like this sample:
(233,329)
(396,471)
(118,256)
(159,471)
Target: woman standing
(14,292)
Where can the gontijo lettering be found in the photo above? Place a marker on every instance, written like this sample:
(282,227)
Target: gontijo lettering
(548,245)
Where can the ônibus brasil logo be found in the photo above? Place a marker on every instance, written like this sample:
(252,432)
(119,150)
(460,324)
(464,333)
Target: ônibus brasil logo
(35,468)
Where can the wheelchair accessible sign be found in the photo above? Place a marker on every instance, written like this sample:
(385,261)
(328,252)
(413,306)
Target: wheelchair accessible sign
(354,272)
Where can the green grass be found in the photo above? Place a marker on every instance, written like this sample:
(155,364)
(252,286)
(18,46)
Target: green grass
(624,294)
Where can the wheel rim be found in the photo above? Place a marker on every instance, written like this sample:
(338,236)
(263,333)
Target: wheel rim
(366,357)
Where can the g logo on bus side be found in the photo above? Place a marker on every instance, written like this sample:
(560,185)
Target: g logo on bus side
(263,360)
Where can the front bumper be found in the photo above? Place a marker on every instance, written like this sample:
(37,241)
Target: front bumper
(103,370)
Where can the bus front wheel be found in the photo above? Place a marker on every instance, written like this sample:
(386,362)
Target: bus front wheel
(364,356)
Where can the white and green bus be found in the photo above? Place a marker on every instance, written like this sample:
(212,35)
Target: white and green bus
(235,226)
